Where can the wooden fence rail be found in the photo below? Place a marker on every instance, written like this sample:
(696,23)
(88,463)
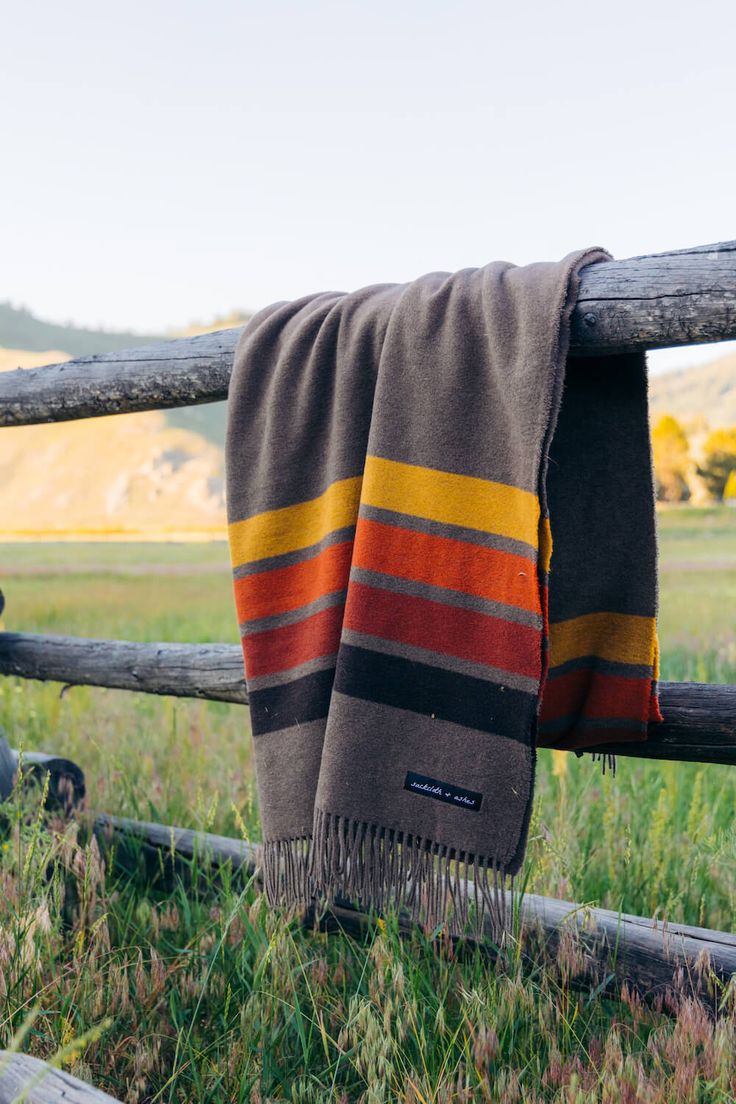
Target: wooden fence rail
(699,724)
(679,298)
(31,1081)
(650,955)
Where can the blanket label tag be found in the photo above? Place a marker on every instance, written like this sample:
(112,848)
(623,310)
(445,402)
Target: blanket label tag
(442,791)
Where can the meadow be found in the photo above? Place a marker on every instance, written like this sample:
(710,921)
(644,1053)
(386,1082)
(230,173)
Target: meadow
(198,993)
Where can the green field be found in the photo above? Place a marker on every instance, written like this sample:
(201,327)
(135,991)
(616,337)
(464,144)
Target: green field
(197,996)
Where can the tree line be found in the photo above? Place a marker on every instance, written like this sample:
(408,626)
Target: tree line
(694,463)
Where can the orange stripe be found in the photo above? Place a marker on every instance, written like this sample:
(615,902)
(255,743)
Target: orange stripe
(280,649)
(466,634)
(442,561)
(289,588)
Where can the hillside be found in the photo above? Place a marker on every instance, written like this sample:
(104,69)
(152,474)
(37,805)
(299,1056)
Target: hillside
(23,358)
(19,329)
(132,475)
(707,390)
(154,475)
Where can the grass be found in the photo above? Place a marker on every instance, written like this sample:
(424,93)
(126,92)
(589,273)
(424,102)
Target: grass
(197,993)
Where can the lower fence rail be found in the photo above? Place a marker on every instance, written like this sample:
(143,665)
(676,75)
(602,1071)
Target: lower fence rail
(652,956)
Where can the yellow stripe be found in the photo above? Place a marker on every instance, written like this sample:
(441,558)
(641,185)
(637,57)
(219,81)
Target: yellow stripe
(451,499)
(617,637)
(545,544)
(292,527)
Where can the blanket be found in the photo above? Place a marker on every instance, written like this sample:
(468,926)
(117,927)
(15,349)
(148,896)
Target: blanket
(444,557)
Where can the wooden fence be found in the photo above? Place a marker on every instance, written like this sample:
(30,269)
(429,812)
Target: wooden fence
(679,298)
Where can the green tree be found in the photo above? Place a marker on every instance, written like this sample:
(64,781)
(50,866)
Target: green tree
(671,459)
(719,460)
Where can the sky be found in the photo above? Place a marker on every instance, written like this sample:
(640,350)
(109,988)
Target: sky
(169,162)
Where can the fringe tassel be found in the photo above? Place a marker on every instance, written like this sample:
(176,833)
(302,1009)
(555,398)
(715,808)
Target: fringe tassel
(286,879)
(378,867)
(606,760)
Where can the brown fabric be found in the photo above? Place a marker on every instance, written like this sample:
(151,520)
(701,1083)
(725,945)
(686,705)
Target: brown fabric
(393,459)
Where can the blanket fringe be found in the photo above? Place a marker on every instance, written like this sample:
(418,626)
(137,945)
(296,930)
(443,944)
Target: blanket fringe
(606,760)
(286,878)
(380,868)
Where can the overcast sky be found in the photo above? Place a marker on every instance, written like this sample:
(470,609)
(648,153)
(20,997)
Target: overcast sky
(165,162)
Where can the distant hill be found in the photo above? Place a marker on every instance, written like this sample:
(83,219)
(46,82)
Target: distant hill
(156,475)
(19,329)
(707,390)
(209,420)
(118,476)
(28,342)
(11,359)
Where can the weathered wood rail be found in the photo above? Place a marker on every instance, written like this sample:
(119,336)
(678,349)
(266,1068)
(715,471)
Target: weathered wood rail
(699,724)
(32,1081)
(652,956)
(653,302)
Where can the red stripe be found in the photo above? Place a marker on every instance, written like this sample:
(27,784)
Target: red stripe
(280,649)
(655,712)
(596,695)
(466,634)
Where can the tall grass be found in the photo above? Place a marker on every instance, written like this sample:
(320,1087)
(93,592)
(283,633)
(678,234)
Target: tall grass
(196,991)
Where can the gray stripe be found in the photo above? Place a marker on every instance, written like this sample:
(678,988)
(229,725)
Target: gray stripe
(292,617)
(440,659)
(283,678)
(444,529)
(575,719)
(604,666)
(446,596)
(257,567)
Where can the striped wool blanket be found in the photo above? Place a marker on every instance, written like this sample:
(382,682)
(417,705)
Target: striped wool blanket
(444,556)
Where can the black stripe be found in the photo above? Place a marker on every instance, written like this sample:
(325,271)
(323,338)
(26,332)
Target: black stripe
(580,721)
(604,552)
(594,663)
(435,692)
(304,699)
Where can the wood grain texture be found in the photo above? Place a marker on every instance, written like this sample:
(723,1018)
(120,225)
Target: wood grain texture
(211,671)
(184,372)
(684,297)
(651,955)
(699,724)
(34,1082)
